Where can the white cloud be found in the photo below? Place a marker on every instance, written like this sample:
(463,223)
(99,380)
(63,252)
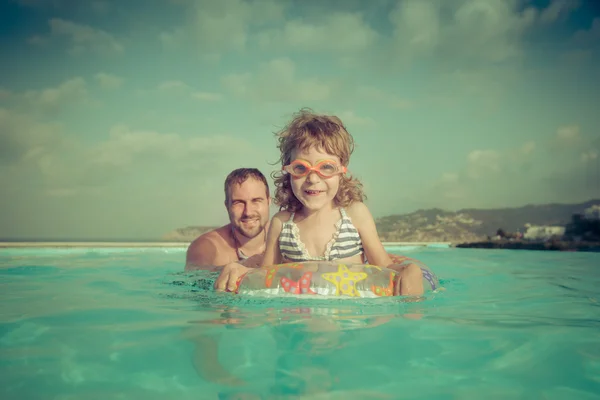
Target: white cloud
(33,150)
(489,30)
(568,133)
(462,32)
(177,87)
(417,26)
(487,177)
(480,162)
(351,119)
(207,96)
(448,190)
(589,36)
(85,38)
(565,163)
(558,9)
(67,166)
(589,156)
(277,81)
(25,140)
(54,99)
(449,177)
(338,32)
(220,25)
(528,148)
(174,86)
(126,146)
(108,81)
(215,27)
(570,148)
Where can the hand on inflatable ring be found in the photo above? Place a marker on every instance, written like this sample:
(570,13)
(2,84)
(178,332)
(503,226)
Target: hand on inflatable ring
(229,277)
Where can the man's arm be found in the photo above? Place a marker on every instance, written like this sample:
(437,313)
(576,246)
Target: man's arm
(203,253)
(254,261)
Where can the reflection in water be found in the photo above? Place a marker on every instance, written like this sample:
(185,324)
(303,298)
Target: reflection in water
(283,346)
(280,348)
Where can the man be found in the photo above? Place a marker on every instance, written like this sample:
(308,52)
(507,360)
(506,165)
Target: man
(247,201)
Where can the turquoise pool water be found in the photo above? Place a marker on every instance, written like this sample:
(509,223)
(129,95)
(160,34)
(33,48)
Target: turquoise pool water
(129,324)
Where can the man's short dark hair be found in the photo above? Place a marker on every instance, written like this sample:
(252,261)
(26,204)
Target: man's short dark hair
(240,176)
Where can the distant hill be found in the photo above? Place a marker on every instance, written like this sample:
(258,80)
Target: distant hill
(511,219)
(437,225)
(468,225)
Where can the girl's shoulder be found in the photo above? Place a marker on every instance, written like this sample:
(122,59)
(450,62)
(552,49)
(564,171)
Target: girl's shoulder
(282,216)
(356,209)
(358,212)
(277,221)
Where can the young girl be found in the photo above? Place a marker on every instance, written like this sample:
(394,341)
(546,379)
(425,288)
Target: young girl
(323,216)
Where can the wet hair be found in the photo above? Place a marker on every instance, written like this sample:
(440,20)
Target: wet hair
(326,133)
(240,176)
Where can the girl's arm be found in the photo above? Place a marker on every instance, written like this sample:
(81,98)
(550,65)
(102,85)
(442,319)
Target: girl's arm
(272,253)
(364,223)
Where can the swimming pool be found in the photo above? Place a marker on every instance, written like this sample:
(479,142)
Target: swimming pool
(129,324)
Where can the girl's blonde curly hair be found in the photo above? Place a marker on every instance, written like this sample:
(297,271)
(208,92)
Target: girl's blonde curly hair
(326,133)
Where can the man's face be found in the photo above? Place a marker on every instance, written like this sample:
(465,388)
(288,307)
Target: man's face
(248,207)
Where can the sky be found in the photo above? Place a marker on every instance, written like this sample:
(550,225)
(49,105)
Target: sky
(121,120)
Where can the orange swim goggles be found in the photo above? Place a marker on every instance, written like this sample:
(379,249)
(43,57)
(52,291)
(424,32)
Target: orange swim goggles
(325,169)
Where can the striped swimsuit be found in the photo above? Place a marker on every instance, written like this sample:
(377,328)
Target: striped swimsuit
(345,242)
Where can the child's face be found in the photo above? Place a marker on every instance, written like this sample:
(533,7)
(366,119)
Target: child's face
(312,190)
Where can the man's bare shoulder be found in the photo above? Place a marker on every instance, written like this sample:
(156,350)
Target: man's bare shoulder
(208,249)
(218,234)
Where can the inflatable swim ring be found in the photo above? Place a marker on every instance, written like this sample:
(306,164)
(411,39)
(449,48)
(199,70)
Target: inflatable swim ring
(328,278)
